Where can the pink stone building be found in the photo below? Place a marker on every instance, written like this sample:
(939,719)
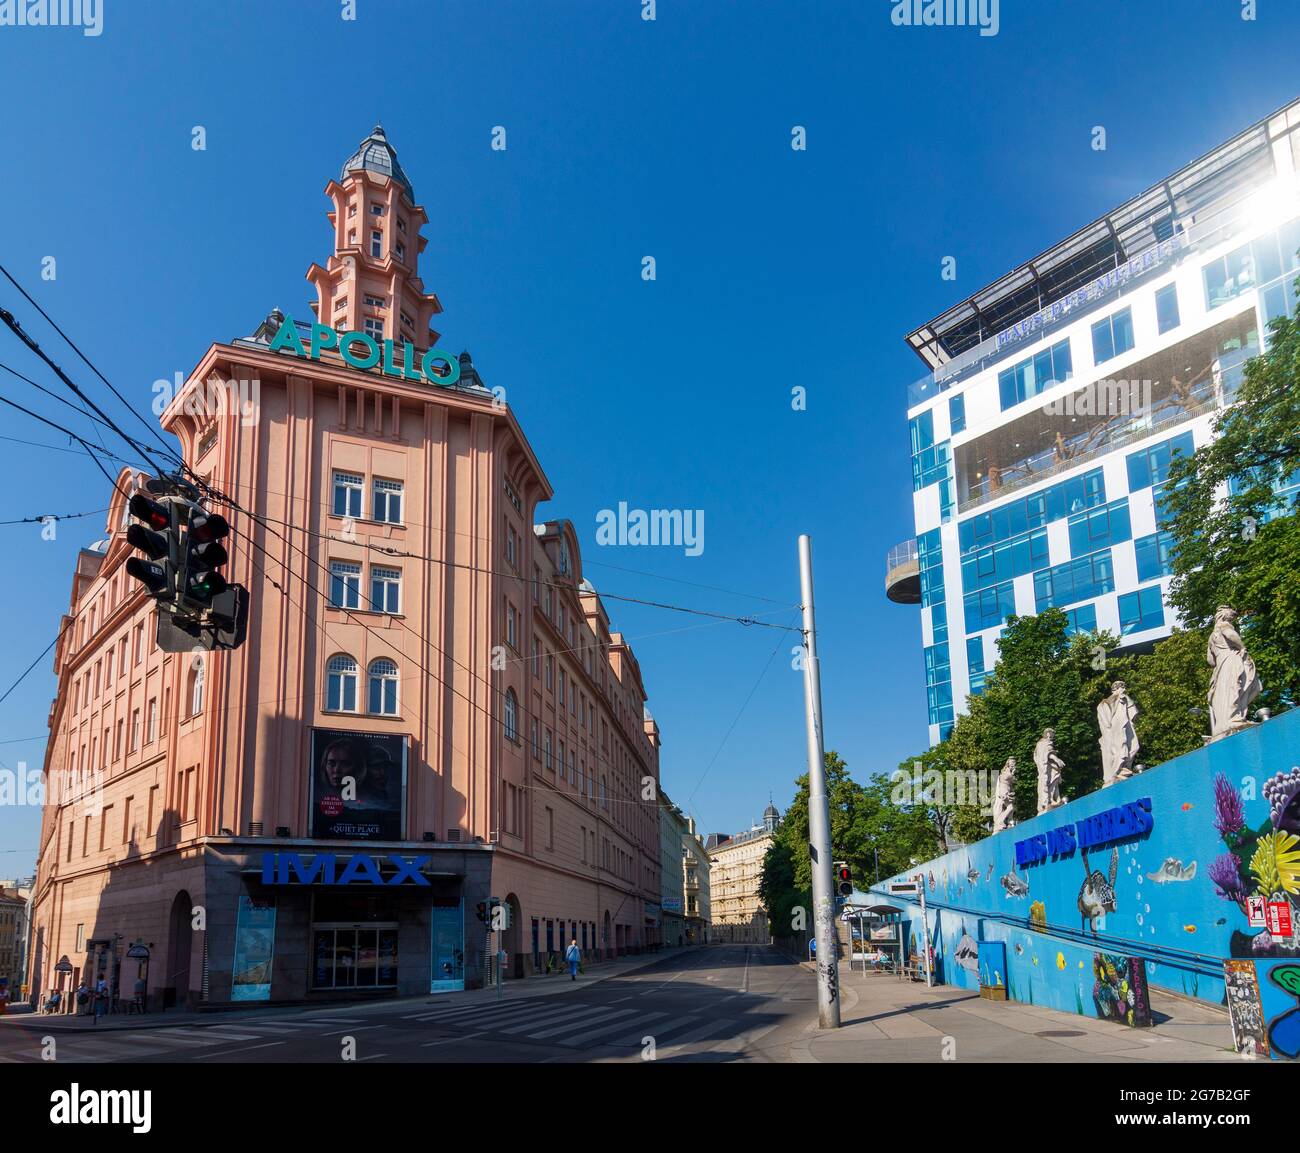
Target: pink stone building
(412,632)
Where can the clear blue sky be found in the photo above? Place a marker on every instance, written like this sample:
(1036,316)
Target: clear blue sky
(625,139)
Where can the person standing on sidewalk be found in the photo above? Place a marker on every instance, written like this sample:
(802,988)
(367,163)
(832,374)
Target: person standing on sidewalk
(573,955)
(101,999)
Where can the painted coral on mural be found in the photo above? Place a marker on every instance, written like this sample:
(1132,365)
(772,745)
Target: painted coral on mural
(1260,863)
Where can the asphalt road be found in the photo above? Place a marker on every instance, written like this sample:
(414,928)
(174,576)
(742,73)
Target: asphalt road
(722,1003)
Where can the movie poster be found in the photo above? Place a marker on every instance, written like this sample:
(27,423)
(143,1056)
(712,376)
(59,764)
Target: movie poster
(250,977)
(358,788)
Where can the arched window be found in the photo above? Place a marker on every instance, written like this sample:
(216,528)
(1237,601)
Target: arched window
(196,686)
(512,715)
(341,685)
(383,688)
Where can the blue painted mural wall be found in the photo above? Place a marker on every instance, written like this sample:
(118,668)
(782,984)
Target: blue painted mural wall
(1224,822)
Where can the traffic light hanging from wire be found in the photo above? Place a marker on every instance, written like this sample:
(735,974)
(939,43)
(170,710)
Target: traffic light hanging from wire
(204,554)
(157,538)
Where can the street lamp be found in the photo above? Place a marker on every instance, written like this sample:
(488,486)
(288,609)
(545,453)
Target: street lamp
(139,952)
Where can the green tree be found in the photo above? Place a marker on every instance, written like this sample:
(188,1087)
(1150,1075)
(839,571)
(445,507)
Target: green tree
(1236,549)
(1168,686)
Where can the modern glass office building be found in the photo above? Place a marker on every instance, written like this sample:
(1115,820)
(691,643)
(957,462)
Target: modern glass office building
(1056,397)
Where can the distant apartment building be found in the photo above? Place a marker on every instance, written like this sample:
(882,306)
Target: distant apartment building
(735,869)
(695,877)
(672,832)
(1056,397)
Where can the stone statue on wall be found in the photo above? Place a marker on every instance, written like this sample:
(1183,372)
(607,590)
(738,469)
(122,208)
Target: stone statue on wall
(1049,767)
(1234,683)
(1119,741)
(1004,797)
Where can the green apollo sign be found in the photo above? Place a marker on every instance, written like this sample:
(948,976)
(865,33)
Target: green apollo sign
(372,353)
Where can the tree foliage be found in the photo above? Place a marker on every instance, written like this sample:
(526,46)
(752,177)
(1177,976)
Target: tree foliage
(1231,545)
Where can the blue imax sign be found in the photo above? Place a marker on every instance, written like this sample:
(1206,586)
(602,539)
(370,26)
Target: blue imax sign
(323,869)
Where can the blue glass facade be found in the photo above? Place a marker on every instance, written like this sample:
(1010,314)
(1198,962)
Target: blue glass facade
(1141,610)
(1112,336)
(1150,466)
(1154,555)
(1076,580)
(1100,528)
(1051,504)
(988,607)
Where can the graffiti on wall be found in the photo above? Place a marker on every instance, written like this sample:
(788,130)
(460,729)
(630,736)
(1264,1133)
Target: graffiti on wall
(1119,991)
(1245,1013)
(1261,863)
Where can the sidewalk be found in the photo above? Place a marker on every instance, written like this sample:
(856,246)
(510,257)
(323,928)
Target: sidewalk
(887,1020)
(513,990)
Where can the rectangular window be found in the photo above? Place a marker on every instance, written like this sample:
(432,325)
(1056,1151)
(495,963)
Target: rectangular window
(988,607)
(1100,528)
(1081,620)
(135,730)
(347,494)
(401,251)
(1154,555)
(345,584)
(1150,466)
(139,643)
(1167,308)
(511,539)
(1229,276)
(375,301)
(1141,610)
(1036,374)
(386,501)
(547,758)
(957,414)
(376,210)
(385,589)
(376,242)
(373,328)
(512,627)
(1112,336)
(151,727)
(550,672)
(1076,580)
(937,667)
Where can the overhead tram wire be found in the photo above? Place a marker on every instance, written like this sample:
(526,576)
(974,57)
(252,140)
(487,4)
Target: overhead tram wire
(90,448)
(13,324)
(17,329)
(597,758)
(37,661)
(89,364)
(54,516)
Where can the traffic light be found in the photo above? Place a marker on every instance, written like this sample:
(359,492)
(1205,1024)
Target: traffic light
(204,554)
(845,879)
(481,911)
(156,538)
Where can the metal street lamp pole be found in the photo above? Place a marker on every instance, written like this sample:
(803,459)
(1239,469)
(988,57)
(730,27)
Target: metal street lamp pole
(819,820)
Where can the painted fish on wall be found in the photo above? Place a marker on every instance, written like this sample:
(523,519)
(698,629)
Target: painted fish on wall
(1173,870)
(967,953)
(1015,885)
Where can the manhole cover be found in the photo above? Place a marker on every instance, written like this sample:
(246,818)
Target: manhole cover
(1060,1033)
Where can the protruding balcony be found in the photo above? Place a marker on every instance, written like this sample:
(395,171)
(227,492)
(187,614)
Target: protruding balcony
(903,574)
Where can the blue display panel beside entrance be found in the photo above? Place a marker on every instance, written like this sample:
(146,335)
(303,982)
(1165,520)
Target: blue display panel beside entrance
(448,953)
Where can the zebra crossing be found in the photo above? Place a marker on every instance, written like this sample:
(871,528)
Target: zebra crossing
(560,1022)
(180,1042)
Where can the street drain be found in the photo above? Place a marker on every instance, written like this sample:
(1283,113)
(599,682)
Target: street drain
(1060,1033)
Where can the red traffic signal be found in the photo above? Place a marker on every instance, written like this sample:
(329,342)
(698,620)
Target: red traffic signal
(155,515)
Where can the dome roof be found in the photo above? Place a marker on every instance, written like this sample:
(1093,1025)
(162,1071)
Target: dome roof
(375,154)
(770,811)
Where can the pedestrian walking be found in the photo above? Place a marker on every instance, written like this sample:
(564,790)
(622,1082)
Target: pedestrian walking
(573,955)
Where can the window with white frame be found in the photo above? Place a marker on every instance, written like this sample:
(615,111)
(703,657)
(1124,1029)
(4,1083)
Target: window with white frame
(385,589)
(345,584)
(196,687)
(512,716)
(383,687)
(341,685)
(511,549)
(347,494)
(387,503)
(512,626)
(537,744)
(373,327)
(376,242)
(546,748)
(375,301)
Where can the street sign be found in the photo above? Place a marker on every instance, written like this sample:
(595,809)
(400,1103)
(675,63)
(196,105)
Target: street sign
(903,887)
(1255,912)
(1279,918)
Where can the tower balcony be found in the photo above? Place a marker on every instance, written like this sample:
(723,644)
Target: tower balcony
(903,574)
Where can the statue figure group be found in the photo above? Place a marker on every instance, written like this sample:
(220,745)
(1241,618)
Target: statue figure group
(1234,685)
